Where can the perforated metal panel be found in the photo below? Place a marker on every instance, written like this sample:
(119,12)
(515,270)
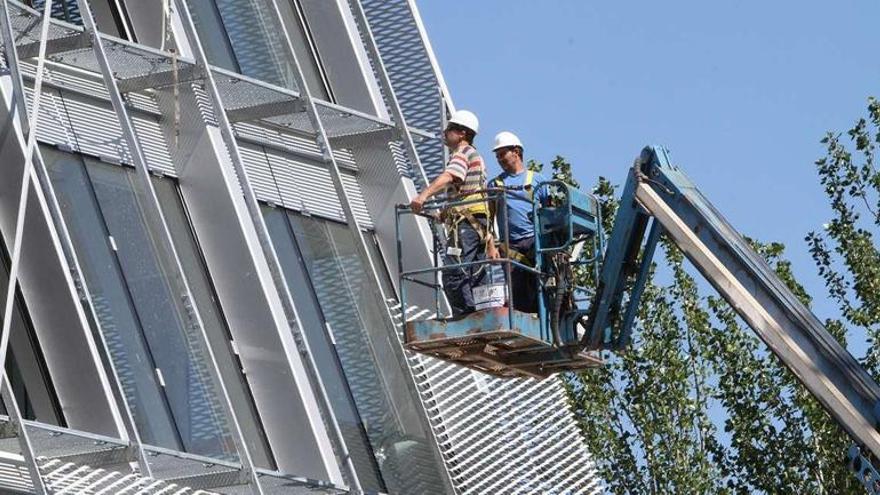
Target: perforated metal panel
(502,435)
(409,67)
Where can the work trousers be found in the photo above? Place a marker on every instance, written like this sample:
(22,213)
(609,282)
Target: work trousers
(525,284)
(458,282)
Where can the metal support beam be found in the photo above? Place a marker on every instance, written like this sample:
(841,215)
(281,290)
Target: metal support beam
(8,396)
(353,140)
(54,46)
(186,73)
(324,143)
(265,111)
(30,131)
(156,219)
(25,185)
(111,385)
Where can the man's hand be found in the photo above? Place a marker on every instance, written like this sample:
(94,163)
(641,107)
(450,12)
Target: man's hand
(417,203)
(492,253)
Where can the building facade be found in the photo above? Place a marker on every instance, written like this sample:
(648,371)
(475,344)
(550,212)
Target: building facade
(204,245)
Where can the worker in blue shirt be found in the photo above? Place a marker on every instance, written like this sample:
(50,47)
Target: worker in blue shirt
(519,193)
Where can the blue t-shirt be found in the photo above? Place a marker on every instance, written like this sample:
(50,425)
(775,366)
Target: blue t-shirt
(519,205)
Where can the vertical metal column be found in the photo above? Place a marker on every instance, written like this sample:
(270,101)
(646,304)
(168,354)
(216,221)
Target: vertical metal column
(159,226)
(30,146)
(253,208)
(38,169)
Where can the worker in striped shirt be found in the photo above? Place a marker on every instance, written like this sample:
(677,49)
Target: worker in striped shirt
(468,235)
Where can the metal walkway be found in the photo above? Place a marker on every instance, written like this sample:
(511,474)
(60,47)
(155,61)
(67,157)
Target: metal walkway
(83,463)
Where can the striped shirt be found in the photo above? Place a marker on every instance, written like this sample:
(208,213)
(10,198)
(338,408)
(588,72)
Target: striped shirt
(467,166)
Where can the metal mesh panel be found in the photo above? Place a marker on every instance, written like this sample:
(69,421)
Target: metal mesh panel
(26,26)
(409,68)
(77,462)
(297,121)
(501,435)
(126,60)
(274,483)
(338,122)
(238,92)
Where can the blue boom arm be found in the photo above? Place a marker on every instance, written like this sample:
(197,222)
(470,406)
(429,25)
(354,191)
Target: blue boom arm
(659,197)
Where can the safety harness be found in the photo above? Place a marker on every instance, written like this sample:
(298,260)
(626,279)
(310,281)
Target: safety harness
(530,194)
(453,217)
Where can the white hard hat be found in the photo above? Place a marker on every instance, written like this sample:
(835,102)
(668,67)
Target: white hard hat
(467,119)
(505,139)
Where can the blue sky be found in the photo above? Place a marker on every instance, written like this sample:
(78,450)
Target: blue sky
(741,93)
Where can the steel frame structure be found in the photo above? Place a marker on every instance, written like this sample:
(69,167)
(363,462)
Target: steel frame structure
(332,127)
(199,70)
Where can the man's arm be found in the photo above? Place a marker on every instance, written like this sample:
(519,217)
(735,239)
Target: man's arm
(439,184)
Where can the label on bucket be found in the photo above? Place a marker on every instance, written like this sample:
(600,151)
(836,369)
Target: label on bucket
(489,296)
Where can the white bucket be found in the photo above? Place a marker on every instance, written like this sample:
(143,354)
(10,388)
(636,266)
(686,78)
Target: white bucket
(490,296)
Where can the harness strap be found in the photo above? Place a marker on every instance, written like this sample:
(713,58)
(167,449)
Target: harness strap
(516,255)
(530,175)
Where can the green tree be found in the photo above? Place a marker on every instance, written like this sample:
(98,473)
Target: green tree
(698,405)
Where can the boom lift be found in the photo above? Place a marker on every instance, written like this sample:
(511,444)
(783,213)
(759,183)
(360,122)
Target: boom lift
(571,330)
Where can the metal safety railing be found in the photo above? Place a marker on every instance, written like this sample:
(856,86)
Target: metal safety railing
(498,198)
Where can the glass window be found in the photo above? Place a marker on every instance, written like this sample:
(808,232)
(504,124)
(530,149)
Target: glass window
(305,49)
(245,36)
(25,364)
(313,326)
(212,34)
(111,299)
(109,17)
(212,318)
(156,348)
(364,342)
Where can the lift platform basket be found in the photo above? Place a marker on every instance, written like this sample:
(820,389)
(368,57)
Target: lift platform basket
(487,342)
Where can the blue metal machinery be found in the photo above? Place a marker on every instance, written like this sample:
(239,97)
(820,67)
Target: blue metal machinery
(657,198)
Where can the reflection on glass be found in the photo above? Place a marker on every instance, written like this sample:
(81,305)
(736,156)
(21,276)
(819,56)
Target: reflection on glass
(107,15)
(213,321)
(175,343)
(25,364)
(312,324)
(256,40)
(353,310)
(154,341)
(111,300)
(212,35)
(245,36)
